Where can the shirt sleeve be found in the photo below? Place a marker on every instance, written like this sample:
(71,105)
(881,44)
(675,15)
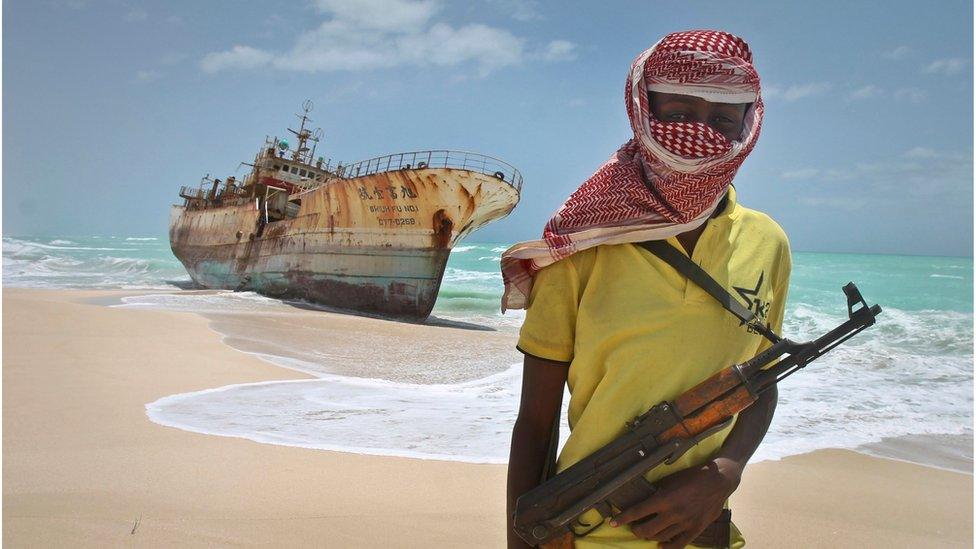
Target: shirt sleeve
(549,330)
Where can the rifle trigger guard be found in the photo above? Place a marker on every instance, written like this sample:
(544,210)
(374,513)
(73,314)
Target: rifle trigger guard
(580,529)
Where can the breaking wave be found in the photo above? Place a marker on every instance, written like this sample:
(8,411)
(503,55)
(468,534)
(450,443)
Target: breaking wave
(81,263)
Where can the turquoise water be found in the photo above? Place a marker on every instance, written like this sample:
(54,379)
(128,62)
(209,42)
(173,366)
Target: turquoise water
(909,283)
(472,283)
(910,375)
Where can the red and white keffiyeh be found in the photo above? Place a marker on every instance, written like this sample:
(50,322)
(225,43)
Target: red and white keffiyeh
(671,176)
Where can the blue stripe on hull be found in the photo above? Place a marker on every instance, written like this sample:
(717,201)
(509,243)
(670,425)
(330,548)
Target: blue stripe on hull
(358,281)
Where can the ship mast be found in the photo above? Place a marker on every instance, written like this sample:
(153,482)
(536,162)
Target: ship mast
(304,136)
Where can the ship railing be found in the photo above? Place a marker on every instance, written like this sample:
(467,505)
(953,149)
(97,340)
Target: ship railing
(434,159)
(192,192)
(204,192)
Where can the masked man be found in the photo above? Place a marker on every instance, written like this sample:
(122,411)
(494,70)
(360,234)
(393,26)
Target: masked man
(623,328)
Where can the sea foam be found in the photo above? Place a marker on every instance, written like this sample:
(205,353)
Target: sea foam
(871,388)
(459,422)
(88,263)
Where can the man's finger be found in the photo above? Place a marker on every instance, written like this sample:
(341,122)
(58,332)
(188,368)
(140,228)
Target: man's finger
(650,528)
(668,533)
(649,506)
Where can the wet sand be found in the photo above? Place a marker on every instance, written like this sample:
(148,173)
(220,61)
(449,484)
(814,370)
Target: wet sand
(83,466)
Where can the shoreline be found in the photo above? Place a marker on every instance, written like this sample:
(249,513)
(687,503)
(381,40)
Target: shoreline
(903,449)
(877,450)
(949,455)
(912,448)
(83,461)
(939,450)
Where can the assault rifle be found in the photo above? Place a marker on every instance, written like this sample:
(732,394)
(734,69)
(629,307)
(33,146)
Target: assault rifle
(612,478)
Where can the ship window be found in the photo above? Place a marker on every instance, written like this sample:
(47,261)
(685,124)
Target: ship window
(302,173)
(284,168)
(294,169)
(277,167)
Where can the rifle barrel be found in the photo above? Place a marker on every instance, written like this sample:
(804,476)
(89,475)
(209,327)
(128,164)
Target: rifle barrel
(809,351)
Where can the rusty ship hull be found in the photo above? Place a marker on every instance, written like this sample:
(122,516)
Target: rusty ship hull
(372,237)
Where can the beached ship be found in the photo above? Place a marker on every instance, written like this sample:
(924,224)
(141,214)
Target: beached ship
(371,236)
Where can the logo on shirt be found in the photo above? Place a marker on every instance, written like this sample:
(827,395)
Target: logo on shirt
(751,296)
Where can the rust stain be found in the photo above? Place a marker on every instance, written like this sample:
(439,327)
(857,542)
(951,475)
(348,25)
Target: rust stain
(442,225)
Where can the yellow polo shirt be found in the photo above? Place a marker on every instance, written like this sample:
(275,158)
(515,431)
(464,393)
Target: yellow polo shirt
(636,332)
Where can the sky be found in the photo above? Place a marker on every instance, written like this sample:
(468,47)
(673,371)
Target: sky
(110,106)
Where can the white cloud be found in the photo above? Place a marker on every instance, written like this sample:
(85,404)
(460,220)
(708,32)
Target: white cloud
(898,53)
(375,34)
(559,50)
(865,92)
(913,95)
(336,46)
(171,58)
(491,48)
(795,91)
(926,153)
(275,25)
(148,75)
(136,15)
(921,152)
(238,57)
(76,5)
(520,10)
(947,67)
(388,15)
(803,173)
(921,171)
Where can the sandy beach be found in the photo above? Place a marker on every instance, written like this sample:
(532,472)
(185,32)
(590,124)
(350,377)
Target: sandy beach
(84,467)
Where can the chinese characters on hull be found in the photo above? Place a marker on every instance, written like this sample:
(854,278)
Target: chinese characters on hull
(393,192)
(379,193)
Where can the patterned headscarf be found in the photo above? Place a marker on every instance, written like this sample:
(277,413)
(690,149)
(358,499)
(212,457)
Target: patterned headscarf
(671,176)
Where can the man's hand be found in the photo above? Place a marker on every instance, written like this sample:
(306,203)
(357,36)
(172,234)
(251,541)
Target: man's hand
(685,503)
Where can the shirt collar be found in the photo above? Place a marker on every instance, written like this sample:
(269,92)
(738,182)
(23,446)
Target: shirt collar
(731,209)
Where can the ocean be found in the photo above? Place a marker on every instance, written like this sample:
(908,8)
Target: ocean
(902,389)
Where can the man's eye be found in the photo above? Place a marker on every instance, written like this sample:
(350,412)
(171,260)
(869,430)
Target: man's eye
(722,120)
(677,117)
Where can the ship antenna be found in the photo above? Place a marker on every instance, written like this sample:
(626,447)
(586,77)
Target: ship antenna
(302,134)
(316,136)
